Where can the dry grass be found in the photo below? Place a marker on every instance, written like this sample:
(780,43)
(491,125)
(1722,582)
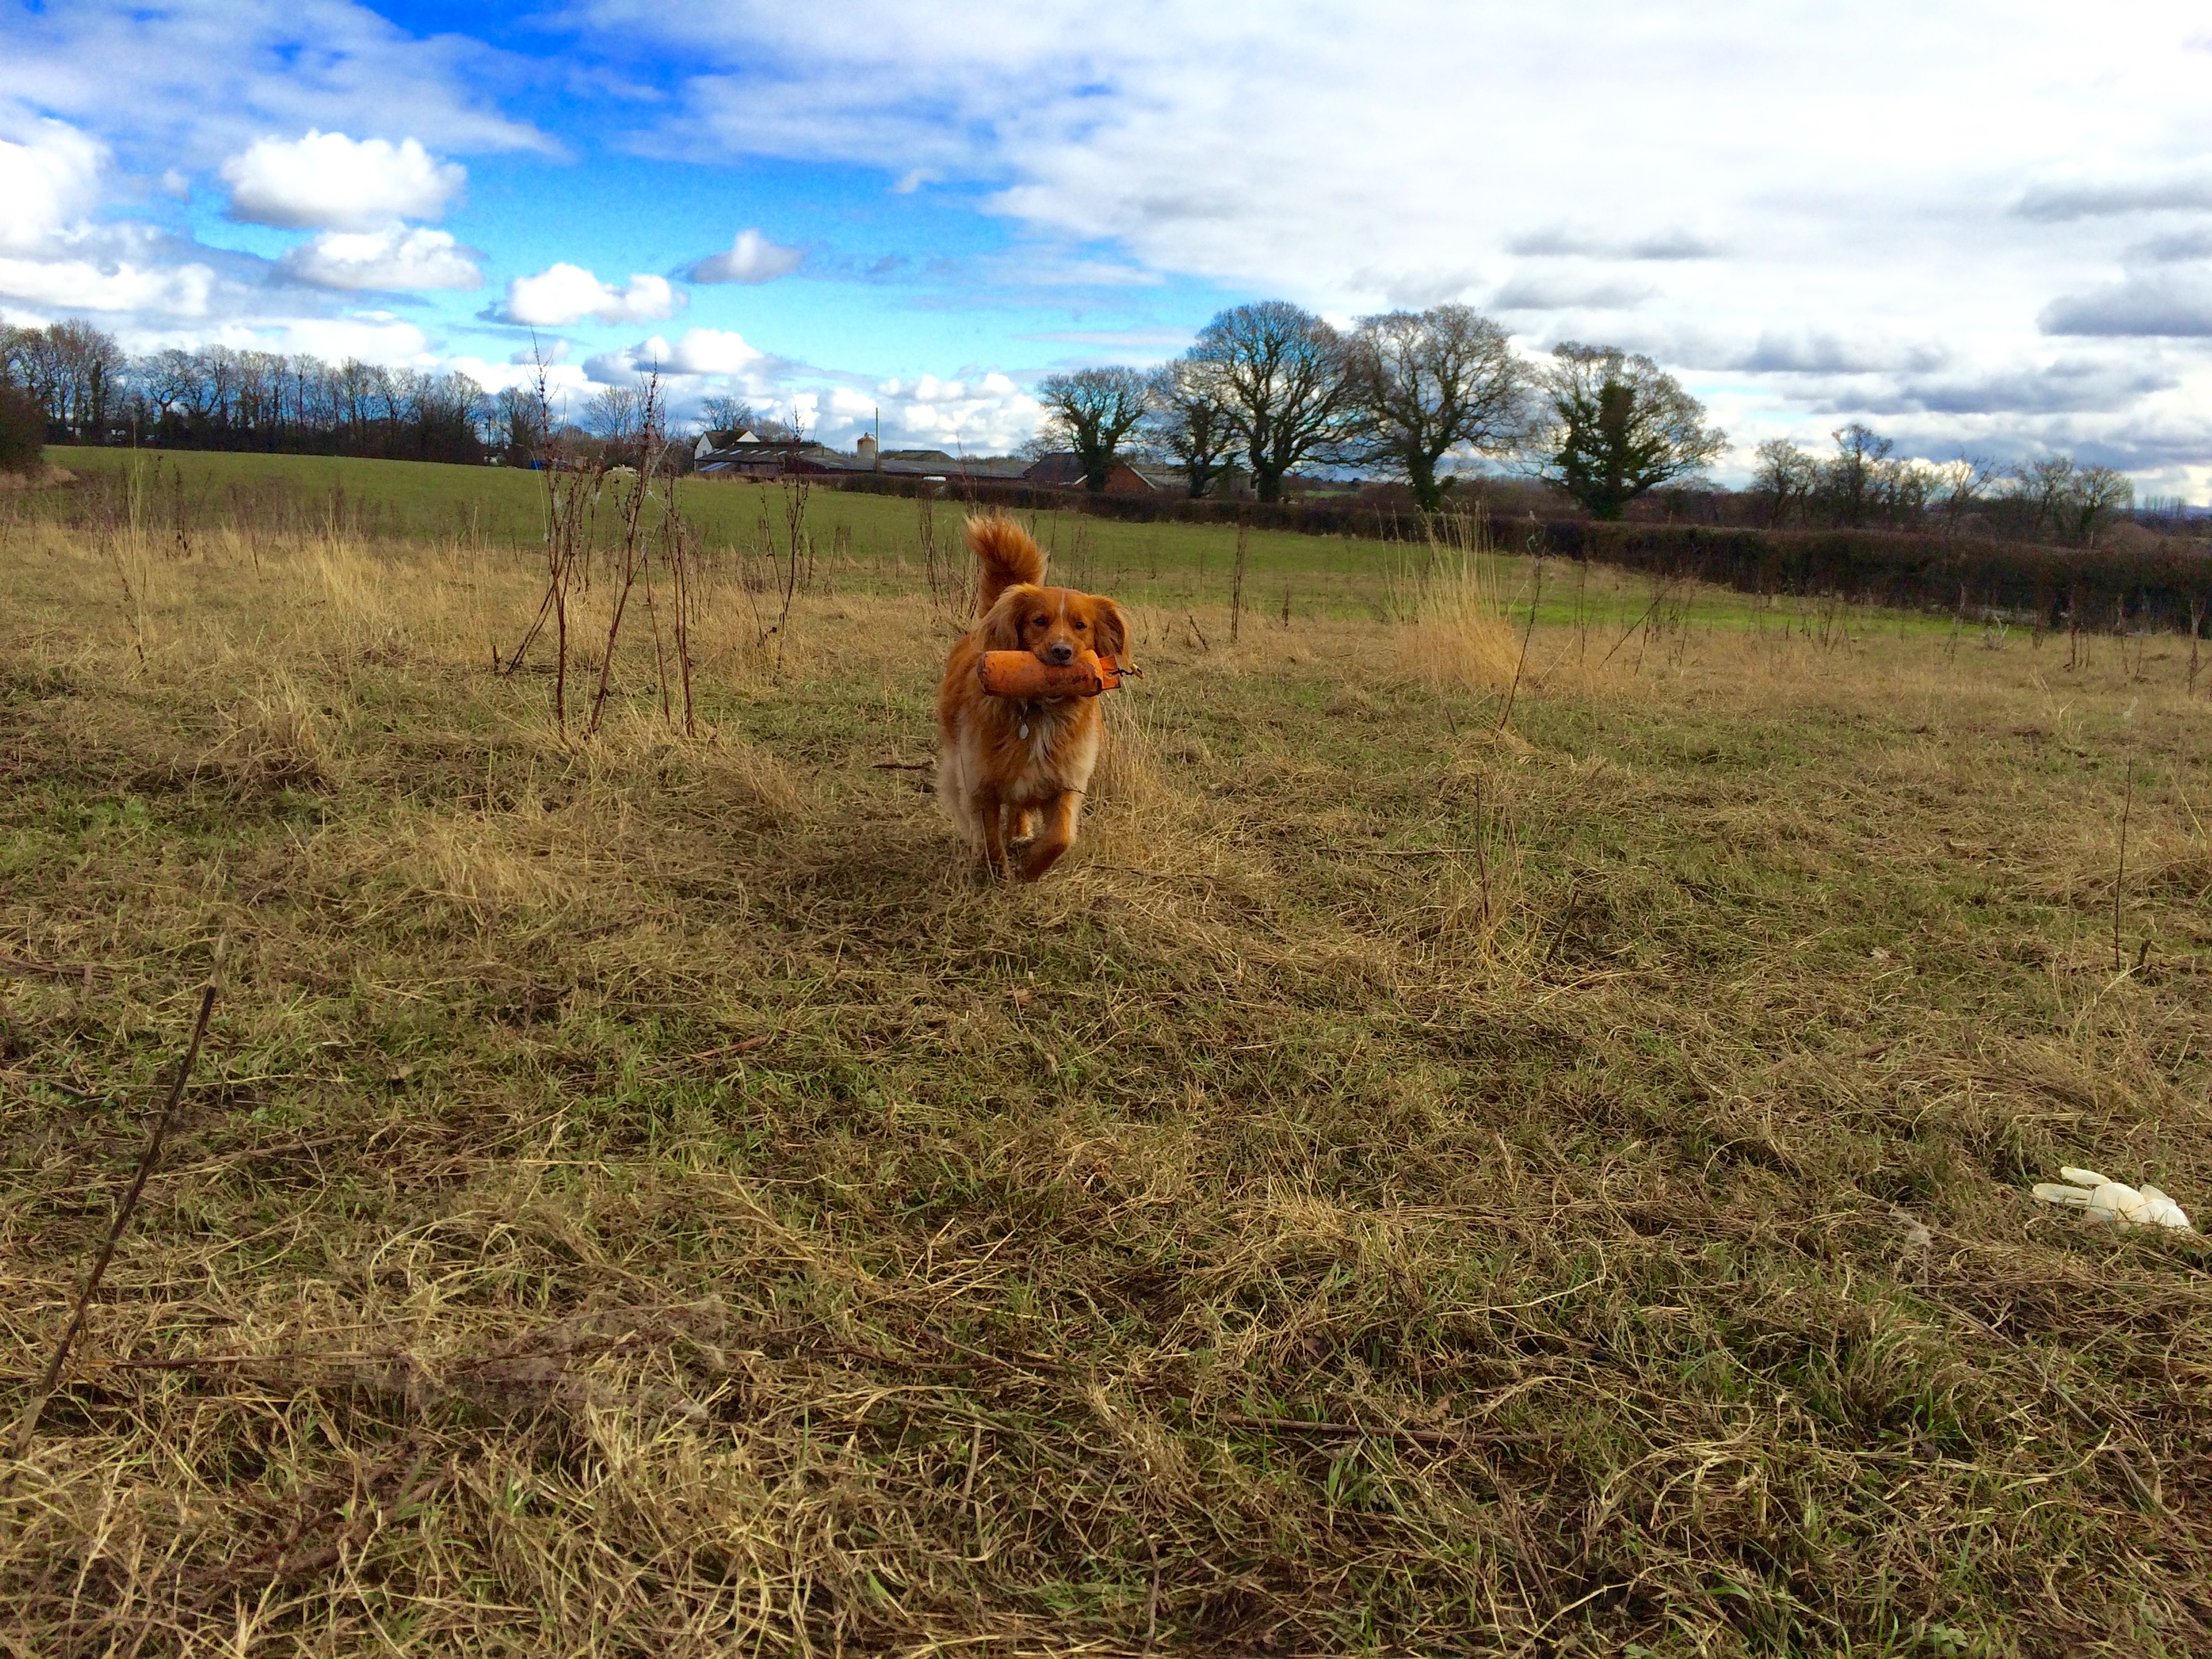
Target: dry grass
(1459,634)
(1414,1184)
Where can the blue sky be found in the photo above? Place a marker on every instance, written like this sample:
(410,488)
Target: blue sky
(1980,228)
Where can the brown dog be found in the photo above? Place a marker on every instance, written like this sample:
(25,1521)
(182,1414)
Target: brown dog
(1000,763)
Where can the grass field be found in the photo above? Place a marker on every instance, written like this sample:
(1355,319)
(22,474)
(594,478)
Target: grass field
(881,535)
(1418,1180)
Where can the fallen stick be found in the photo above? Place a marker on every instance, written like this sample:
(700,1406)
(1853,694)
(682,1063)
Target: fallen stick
(29,1427)
(26,969)
(1379,1432)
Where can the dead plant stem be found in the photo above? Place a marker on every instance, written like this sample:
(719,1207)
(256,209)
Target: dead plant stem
(28,1428)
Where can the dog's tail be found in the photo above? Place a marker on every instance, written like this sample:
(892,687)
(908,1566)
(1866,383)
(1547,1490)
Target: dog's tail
(1008,553)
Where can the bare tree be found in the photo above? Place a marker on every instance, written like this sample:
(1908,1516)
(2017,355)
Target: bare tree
(616,413)
(2043,489)
(2098,495)
(1614,426)
(1189,422)
(1959,484)
(1091,412)
(1785,474)
(727,413)
(1433,381)
(1851,479)
(73,371)
(1280,375)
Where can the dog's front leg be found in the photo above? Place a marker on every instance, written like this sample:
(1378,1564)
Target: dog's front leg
(991,810)
(1059,833)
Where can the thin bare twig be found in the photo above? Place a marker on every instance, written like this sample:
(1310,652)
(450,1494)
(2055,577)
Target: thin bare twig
(1535,594)
(29,1427)
(2120,877)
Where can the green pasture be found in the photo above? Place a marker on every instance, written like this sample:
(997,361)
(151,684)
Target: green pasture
(877,543)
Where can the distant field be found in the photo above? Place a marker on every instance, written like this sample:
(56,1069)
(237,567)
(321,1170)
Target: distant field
(1177,564)
(1498,1141)
(403,499)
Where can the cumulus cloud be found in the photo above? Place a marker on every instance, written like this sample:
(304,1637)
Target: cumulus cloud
(2103,198)
(188,82)
(2069,385)
(2163,250)
(373,337)
(2156,306)
(1818,352)
(565,293)
(1543,291)
(53,179)
(1345,172)
(751,258)
(64,285)
(1562,242)
(393,258)
(979,414)
(701,351)
(326,180)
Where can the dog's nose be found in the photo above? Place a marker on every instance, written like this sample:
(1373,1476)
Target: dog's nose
(1059,652)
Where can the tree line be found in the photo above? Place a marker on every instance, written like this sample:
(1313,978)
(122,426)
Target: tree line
(1865,484)
(1269,387)
(86,389)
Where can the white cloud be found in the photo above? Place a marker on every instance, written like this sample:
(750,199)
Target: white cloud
(394,257)
(53,179)
(65,285)
(751,258)
(374,336)
(981,415)
(701,351)
(188,82)
(712,352)
(1542,291)
(327,180)
(565,293)
(1936,178)
(566,387)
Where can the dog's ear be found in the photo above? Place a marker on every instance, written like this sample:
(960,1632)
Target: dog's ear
(1110,630)
(1001,626)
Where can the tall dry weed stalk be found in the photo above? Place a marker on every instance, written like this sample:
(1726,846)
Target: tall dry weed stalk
(1236,581)
(130,550)
(951,576)
(651,546)
(1457,633)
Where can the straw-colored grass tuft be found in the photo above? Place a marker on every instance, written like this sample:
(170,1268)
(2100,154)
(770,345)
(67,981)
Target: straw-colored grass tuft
(1456,632)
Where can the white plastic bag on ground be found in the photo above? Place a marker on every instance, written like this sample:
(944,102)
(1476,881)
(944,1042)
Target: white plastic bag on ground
(2112,1202)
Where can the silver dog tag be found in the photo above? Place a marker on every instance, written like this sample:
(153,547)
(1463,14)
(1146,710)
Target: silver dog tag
(1025,728)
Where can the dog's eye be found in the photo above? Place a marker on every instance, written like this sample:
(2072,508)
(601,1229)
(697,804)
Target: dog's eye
(1080,626)
(1039,622)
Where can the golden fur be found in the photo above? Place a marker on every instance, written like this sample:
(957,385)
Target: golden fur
(1002,765)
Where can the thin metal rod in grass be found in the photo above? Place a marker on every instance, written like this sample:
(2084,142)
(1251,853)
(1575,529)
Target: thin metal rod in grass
(29,1427)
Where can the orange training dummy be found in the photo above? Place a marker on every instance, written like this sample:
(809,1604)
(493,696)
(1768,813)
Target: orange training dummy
(1025,677)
